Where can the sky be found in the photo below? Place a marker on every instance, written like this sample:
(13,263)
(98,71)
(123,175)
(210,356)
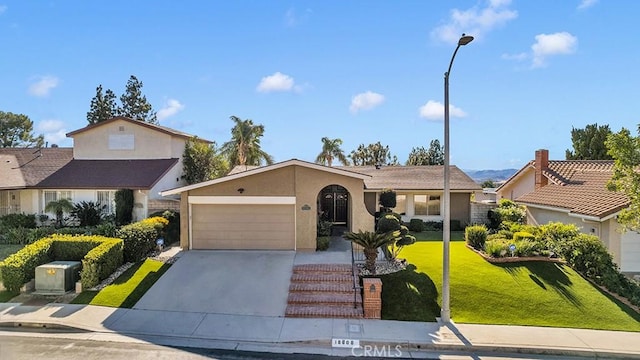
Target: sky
(361,71)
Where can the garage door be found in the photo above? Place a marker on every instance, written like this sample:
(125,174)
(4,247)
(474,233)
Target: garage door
(233,226)
(630,257)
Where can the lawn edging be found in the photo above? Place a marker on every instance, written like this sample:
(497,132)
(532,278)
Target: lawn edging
(513,259)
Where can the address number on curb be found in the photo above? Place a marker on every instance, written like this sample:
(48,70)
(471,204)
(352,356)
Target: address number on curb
(345,343)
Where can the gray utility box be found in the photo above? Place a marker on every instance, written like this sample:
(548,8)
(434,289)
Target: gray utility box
(57,277)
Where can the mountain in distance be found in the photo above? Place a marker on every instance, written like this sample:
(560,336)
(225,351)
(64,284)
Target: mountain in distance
(495,175)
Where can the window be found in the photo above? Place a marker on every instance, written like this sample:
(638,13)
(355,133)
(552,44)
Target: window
(50,196)
(426,204)
(107,198)
(401,204)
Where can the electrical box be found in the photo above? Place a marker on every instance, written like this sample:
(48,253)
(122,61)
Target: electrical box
(57,277)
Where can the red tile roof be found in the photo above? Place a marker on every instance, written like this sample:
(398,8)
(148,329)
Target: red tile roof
(108,174)
(26,167)
(578,186)
(413,178)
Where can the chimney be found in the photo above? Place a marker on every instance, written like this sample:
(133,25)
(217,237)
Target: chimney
(541,164)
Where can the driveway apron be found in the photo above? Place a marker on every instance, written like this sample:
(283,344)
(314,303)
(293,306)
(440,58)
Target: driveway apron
(224,282)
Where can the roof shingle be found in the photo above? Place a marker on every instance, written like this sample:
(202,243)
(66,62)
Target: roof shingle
(413,177)
(26,167)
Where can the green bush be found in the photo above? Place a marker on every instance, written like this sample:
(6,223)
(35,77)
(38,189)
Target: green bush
(433,225)
(171,232)
(476,236)
(323,228)
(88,213)
(322,243)
(497,236)
(101,261)
(107,229)
(528,247)
(522,235)
(20,267)
(140,238)
(18,221)
(388,199)
(124,206)
(497,248)
(507,211)
(416,225)
(388,223)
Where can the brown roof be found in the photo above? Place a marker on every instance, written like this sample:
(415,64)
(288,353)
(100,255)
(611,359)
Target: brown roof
(413,177)
(26,167)
(580,187)
(160,128)
(108,174)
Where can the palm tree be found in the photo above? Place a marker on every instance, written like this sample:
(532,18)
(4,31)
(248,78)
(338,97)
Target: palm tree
(331,150)
(244,146)
(370,242)
(59,207)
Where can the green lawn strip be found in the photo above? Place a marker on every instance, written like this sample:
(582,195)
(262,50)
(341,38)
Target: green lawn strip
(8,249)
(128,288)
(524,293)
(6,296)
(437,235)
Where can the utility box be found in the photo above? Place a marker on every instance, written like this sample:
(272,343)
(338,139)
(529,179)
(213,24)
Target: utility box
(57,277)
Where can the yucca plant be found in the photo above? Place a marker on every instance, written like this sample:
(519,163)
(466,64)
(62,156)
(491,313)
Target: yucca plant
(370,242)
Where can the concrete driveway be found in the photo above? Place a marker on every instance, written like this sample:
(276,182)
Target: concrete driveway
(224,282)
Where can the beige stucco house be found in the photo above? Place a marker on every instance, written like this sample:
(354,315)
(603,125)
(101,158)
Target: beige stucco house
(574,192)
(119,153)
(278,206)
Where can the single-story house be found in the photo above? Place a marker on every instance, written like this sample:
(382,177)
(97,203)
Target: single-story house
(119,153)
(278,206)
(574,192)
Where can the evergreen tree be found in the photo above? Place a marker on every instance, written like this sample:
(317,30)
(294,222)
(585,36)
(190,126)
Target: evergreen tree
(202,162)
(373,154)
(16,130)
(422,156)
(589,143)
(103,106)
(134,105)
(625,150)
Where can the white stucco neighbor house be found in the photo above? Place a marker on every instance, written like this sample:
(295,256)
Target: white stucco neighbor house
(574,192)
(119,153)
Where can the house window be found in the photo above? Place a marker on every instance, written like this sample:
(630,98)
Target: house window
(428,205)
(50,196)
(107,198)
(401,204)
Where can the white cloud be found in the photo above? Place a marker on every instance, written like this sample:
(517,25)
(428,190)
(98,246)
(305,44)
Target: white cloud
(53,130)
(585,4)
(171,107)
(561,43)
(3,8)
(475,21)
(517,57)
(365,101)
(43,85)
(434,110)
(276,82)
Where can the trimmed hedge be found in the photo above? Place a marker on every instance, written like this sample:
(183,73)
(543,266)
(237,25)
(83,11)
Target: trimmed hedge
(416,225)
(100,257)
(476,236)
(140,237)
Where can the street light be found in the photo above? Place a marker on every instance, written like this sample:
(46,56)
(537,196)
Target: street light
(445,311)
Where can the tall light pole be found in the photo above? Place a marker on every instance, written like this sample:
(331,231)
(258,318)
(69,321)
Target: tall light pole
(445,312)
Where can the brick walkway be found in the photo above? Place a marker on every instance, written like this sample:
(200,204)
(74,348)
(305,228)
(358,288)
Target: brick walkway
(323,291)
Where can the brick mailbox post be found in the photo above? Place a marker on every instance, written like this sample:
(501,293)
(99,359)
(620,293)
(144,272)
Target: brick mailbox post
(372,298)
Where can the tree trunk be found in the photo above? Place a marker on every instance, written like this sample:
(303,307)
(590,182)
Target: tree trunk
(371,255)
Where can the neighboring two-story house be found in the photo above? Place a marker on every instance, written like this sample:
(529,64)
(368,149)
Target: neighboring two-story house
(119,153)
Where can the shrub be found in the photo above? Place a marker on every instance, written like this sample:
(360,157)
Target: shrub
(476,236)
(496,248)
(388,223)
(324,228)
(18,221)
(522,235)
(528,247)
(140,237)
(507,211)
(107,229)
(556,236)
(497,236)
(433,225)
(388,199)
(20,267)
(124,206)
(172,230)
(416,225)
(88,213)
(322,243)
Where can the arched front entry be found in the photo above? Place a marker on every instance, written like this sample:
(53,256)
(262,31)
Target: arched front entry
(333,204)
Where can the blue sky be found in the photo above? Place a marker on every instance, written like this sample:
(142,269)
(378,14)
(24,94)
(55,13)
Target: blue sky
(362,71)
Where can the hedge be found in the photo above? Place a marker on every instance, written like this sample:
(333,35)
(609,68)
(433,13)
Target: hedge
(100,257)
(140,237)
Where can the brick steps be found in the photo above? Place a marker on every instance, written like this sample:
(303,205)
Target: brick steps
(323,291)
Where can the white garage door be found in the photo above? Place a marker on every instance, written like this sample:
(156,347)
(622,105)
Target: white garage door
(233,226)
(630,257)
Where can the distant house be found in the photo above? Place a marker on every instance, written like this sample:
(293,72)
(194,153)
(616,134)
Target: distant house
(119,153)
(574,192)
(277,207)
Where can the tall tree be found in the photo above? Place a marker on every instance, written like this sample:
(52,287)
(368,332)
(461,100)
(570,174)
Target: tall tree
(103,106)
(331,150)
(589,143)
(244,146)
(625,150)
(422,156)
(373,154)
(134,104)
(202,162)
(16,130)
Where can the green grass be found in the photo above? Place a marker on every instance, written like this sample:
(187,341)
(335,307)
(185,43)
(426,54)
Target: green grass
(437,235)
(6,250)
(525,293)
(6,296)
(128,288)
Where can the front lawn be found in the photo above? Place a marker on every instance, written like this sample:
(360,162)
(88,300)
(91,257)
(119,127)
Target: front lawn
(524,293)
(128,288)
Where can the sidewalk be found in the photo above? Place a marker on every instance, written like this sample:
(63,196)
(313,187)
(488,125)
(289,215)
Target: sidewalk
(314,336)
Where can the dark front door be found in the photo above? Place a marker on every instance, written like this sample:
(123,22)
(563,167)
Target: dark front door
(334,204)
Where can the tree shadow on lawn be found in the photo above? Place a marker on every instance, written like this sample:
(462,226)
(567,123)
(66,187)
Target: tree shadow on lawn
(409,295)
(544,273)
